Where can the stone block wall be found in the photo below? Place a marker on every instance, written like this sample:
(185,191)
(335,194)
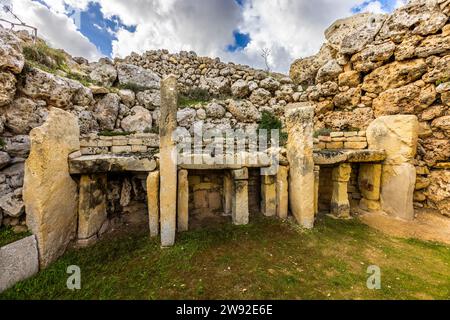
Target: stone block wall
(136,143)
(353,140)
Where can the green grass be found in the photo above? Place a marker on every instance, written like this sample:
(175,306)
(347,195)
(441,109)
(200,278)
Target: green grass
(324,132)
(193,97)
(267,259)
(7,236)
(271,122)
(2,143)
(114,133)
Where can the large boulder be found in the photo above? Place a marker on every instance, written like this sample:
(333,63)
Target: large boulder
(151,99)
(397,135)
(186,117)
(7,88)
(240,89)
(140,120)
(329,72)
(215,111)
(11,57)
(244,111)
(394,75)
(49,193)
(443,124)
(107,111)
(132,75)
(104,73)
(24,114)
(260,96)
(439,191)
(373,56)
(12,205)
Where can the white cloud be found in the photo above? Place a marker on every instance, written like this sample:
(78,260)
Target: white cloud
(55,27)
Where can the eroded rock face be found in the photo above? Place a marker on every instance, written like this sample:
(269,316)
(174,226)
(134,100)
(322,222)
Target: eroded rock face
(24,114)
(50,194)
(11,57)
(439,191)
(7,88)
(150,99)
(140,120)
(107,111)
(104,73)
(244,111)
(240,89)
(132,75)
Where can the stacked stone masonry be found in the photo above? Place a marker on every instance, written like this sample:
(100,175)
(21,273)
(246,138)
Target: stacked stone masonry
(355,140)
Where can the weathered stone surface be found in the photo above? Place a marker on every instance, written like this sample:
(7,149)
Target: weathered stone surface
(215,111)
(104,163)
(186,117)
(240,212)
(299,120)
(397,190)
(240,89)
(373,56)
(304,71)
(153,202)
(228,195)
(244,111)
(349,79)
(12,205)
(128,97)
(260,96)
(329,72)
(269,196)
(49,193)
(7,88)
(92,205)
(107,111)
(282,192)
(150,99)
(340,204)
(168,161)
(4,159)
(140,120)
(18,261)
(397,135)
(104,73)
(433,45)
(443,124)
(407,49)
(132,75)
(439,191)
(328,157)
(183,201)
(56,91)
(394,75)
(24,114)
(11,57)
(369,181)
(370,205)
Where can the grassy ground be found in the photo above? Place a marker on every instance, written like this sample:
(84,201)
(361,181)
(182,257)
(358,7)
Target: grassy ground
(267,259)
(7,236)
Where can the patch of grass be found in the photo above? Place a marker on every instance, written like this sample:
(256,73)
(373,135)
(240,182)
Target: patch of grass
(270,122)
(230,262)
(8,236)
(44,55)
(194,97)
(324,132)
(441,81)
(2,143)
(114,133)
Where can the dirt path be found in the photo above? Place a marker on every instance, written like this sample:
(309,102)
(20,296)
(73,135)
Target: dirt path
(428,225)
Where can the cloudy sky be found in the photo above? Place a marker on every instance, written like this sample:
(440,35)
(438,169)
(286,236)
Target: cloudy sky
(234,30)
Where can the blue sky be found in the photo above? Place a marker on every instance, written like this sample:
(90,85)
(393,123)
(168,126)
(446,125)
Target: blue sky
(234,30)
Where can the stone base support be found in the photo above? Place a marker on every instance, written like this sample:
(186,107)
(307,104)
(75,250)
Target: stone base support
(282,192)
(183,201)
(240,212)
(370,205)
(92,205)
(397,190)
(269,196)
(316,189)
(340,204)
(153,203)
(228,194)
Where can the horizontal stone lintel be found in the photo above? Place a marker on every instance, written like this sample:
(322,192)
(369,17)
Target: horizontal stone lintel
(329,157)
(105,163)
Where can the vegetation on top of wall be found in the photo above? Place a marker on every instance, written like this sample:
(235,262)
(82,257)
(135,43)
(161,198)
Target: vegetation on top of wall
(114,133)
(441,81)
(323,132)
(133,87)
(2,143)
(270,122)
(7,236)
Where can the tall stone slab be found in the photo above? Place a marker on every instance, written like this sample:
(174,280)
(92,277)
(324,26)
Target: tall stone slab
(240,212)
(228,194)
(183,201)
(340,204)
(92,205)
(269,196)
(282,192)
(398,136)
(153,203)
(299,122)
(50,194)
(168,160)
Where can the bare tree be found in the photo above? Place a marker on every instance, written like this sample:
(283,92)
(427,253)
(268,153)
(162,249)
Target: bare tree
(265,54)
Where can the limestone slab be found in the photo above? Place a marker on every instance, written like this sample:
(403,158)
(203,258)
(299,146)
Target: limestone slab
(153,202)
(183,201)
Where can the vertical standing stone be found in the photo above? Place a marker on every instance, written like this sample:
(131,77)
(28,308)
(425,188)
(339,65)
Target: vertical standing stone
(228,194)
(240,197)
(398,136)
(153,202)
(50,194)
(269,196)
(316,189)
(299,121)
(369,182)
(183,201)
(282,192)
(340,204)
(92,206)
(168,160)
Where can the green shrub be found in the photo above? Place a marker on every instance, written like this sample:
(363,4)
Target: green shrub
(114,133)
(270,122)
(324,132)
(193,97)
(2,144)
(42,54)
(441,81)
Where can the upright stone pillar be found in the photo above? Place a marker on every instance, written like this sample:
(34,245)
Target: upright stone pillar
(240,197)
(299,121)
(228,194)
(183,201)
(398,136)
(282,192)
(49,193)
(316,189)
(340,205)
(269,196)
(92,207)
(369,182)
(168,160)
(153,203)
